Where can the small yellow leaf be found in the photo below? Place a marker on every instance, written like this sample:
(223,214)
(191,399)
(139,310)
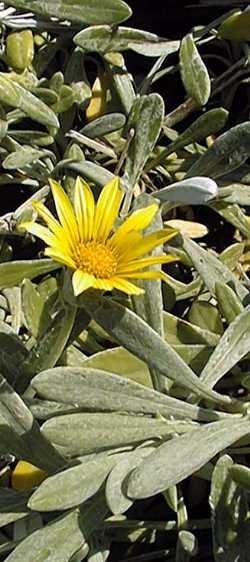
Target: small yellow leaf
(236,27)
(25,476)
(97,104)
(188,228)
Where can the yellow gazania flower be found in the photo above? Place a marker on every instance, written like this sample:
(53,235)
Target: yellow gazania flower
(83,238)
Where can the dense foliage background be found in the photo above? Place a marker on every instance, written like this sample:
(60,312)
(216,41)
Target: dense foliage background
(124,421)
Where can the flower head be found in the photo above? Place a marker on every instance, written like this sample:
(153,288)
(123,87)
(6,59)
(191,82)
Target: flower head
(83,239)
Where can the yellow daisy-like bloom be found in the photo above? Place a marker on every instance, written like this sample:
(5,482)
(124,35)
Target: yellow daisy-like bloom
(83,239)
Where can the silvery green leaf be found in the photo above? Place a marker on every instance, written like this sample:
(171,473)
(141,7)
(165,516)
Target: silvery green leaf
(211,269)
(87,169)
(117,500)
(191,191)
(11,93)
(135,335)
(235,215)
(13,273)
(72,486)
(49,346)
(232,347)
(178,458)
(229,151)
(98,390)
(83,433)
(121,80)
(229,303)
(81,11)
(235,193)
(25,155)
(149,306)
(20,430)
(103,38)
(194,73)
(59,539)
(104,125)
(13,353)
(230,514)
(146,119)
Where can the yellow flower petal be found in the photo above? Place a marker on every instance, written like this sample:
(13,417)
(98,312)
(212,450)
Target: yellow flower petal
(59,256)
(40,231)
(128,267)
(82,281)
(146,275)
(147,244)
(103,284)
(65,211)
(107,209)
(126,287)
(47,216)
(84,204)
(137,221)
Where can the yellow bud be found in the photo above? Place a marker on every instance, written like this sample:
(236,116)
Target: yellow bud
(97,104)
(20,49)
(25,476)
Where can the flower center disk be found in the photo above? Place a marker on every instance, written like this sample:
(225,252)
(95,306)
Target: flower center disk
(96,259)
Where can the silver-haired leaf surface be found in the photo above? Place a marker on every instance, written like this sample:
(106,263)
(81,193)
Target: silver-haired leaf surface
(194,73)
(232,347)
(117,500)
(73,486)
(180,457)
(227,153)
(103,38)
(13,273)
(58,540)
(103,125)
(228,302)
(80,434)
(146,120)
(211,269)
(230,515)
(98,390)
(11,93)
(81,11)
(191,191)
(18,421)
(140,339)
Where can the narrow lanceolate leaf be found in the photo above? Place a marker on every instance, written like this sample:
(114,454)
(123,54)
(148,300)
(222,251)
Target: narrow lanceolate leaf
(98,390)
(18,428)
(103,38)
(229,303)
(84,433)
(227,153)
(14,95)
(49,347)
(136,336)
(194,74)
(146,119)
(24,156)
(180,457)
(149,306)
(233,345)
(60,540)
(72,486)
(193,191)
(81,11)
(13,273)
(116,497)
(230,515)
(211,269)
(104,125)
